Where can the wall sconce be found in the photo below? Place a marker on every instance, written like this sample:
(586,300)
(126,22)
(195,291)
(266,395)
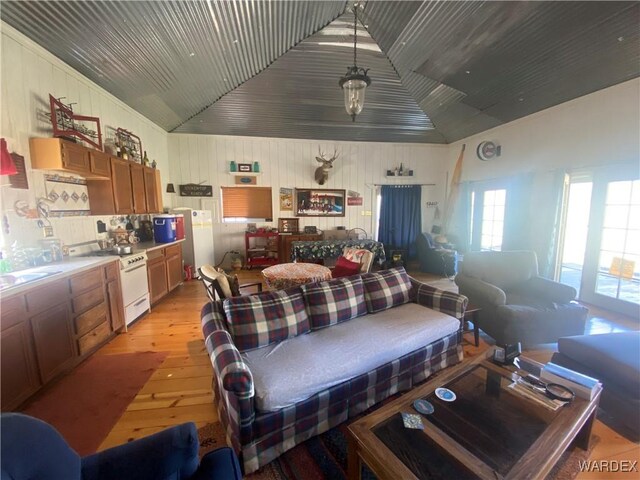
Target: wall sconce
(171,188)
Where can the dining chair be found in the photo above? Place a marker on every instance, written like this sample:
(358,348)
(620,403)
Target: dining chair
(217,282)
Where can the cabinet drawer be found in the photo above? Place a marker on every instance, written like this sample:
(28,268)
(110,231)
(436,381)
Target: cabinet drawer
(172,251)
(43,297)
(112,271)
(90,319)
(94,338)
(87,300)
(86,281)
(13,311)
(156,254)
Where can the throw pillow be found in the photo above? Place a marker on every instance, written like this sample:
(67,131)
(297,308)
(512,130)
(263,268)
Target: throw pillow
(355,254)
(345,268)
(259,320)
(335,301)
(386,289)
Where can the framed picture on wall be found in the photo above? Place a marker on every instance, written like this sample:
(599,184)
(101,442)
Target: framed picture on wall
(288,225)
(244,167)
(319,203)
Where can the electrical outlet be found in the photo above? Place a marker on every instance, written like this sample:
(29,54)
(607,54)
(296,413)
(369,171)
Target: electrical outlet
(47,231)
(366,213)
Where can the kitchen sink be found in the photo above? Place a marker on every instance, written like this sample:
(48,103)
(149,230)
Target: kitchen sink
(15,279)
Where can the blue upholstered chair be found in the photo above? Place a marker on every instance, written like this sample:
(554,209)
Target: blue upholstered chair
(33,449)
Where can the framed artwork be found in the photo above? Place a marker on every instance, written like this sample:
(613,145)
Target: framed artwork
(288,225)
(244,167)
(286,199)
(319,203)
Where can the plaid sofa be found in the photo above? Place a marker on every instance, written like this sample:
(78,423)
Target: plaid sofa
(260,437)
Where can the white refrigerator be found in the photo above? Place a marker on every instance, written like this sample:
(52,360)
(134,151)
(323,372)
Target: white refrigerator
(197,248)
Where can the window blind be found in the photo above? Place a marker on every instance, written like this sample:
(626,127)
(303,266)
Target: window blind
(246,202)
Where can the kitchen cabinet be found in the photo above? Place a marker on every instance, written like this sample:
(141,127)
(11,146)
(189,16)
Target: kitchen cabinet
(157,275)
(137,187)
(53,340)
(152,190)
(122,186)
(164,271)
(66,156)
(114,296)
(49,329)
(18,370)
(132,188)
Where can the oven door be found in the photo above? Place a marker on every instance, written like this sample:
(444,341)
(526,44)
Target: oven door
(134,283)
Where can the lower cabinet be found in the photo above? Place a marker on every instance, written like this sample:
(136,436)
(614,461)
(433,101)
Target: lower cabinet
(53,339)
(164,271)
(18,365)
(48,330)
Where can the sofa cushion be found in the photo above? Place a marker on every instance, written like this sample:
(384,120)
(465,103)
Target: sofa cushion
(295,369)
(259,320)
(386,289)
(335,301)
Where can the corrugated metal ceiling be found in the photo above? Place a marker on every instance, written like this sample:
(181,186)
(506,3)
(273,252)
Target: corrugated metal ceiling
(243,68)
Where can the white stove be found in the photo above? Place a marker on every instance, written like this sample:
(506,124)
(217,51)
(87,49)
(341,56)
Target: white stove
(133,277)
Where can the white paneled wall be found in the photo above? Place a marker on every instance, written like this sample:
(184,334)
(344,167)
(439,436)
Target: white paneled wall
(291,164)
(28,75)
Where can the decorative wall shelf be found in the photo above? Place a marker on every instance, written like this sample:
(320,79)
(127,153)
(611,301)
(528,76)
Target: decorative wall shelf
(245,174)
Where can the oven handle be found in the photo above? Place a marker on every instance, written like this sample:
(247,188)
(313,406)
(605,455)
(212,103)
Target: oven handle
(135,268)
(140,302)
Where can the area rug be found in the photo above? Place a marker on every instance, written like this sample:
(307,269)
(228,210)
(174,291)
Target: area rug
(325,457)
(86,404)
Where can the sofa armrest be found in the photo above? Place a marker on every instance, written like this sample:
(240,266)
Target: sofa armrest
(235,390)
(479,291)
(441,300)
(540,287)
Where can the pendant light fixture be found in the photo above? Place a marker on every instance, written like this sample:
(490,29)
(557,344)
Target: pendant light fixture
(355,82)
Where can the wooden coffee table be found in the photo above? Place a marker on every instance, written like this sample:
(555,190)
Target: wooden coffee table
(489,432)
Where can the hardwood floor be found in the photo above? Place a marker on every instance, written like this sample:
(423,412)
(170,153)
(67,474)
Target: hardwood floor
(180,390)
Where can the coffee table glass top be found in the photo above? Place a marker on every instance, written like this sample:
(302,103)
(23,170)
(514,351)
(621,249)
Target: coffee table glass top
(488,419)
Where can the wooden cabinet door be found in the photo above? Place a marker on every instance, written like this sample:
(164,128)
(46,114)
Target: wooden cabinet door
(19,374)
(75,157)
(114,297)
(150,193)
(121,183)
(137,185)
(100,163)
(174,269)
(53,339)
(157,274)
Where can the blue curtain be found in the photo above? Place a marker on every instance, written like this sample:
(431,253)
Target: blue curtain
(400,217)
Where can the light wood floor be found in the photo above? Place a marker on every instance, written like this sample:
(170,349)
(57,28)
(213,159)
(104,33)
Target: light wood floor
(180,390)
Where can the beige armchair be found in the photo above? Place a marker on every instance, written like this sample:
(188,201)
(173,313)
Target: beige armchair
(517,305)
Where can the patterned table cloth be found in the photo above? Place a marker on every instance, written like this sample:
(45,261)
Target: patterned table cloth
(287,275)
(321,249)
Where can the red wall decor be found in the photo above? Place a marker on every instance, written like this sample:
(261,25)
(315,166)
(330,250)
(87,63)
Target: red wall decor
(65,124)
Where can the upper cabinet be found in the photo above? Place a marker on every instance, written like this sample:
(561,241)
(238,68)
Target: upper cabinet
(62,155)
(115,186)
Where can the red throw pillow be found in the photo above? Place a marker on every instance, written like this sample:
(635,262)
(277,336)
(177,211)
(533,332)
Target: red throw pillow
(345,268)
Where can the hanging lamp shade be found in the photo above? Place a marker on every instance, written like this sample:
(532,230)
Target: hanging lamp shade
(356,80)
(7,166)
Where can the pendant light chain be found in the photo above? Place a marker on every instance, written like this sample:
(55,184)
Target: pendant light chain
(355,34)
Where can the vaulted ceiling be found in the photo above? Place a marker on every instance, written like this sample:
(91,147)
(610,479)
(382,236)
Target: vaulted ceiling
(440,70)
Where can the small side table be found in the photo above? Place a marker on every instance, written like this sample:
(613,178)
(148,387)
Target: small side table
(471,315)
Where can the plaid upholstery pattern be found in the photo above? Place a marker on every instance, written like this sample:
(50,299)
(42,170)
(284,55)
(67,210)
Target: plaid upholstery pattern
(386,289)
(258,320)
(260,438)
(335,301)
(441,300)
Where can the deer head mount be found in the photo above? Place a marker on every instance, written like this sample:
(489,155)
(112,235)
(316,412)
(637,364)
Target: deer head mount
(322,172)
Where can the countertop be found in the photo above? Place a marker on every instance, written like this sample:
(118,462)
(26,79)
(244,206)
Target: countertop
(70,266)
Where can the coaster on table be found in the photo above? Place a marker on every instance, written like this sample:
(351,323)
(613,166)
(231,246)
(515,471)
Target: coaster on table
(423,406)
(411,420)
(445,394)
